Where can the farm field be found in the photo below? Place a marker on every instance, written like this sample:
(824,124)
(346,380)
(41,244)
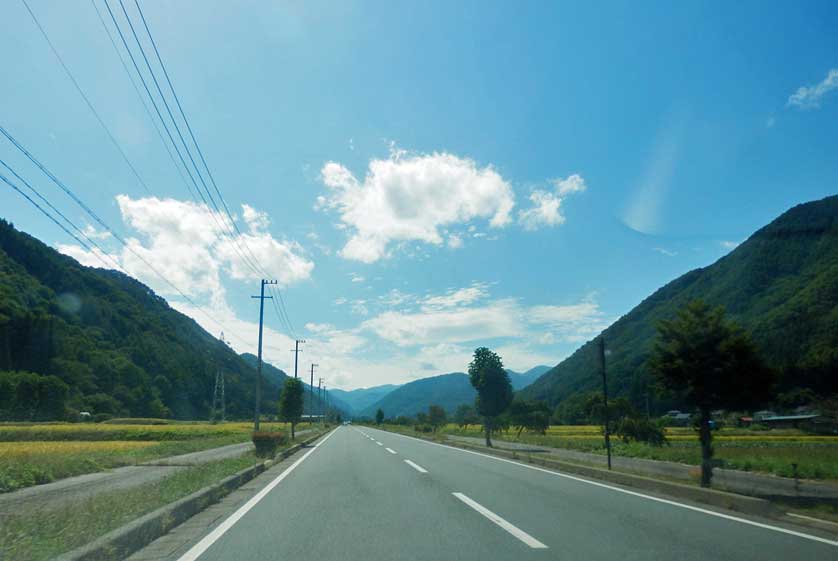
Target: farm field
(772,451)
(33,454)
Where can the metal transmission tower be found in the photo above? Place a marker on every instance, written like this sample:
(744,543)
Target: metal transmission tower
(261,298)
(218,394)
(311,392)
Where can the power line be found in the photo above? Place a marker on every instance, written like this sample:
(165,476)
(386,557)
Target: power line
(102,223)
(84,96)
(140,97)
(67,220)
(228,232)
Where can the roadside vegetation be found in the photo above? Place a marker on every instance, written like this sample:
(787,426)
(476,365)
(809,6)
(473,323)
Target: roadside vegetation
(55,531)
(33,454)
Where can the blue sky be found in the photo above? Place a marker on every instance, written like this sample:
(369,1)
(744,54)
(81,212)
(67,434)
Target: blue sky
(424,178)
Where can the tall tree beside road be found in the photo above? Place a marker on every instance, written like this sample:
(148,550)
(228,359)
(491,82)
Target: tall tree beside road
(291,402)
(437,417)
(379,417)
(711,363)
(494,390)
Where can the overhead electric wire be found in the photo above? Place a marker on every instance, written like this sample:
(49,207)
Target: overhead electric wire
(237,248)
(253,262)
(140,96)
(86,99)
(101,222)
(63,217)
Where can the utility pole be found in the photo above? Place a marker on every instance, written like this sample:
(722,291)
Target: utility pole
(320,398)
(261,298)
(605,398)
(296,350)
(311,393)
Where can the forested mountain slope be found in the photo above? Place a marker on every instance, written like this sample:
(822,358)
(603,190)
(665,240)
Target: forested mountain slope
(119,348)
(781,284)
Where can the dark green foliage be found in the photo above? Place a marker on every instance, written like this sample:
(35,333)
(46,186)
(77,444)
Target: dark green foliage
(531,415)
(466,415)
(640,430)
(379,417)
(437,417)
(291,402)
(710,363)
(781,285)
(120,349)
(494,391)
(31,397)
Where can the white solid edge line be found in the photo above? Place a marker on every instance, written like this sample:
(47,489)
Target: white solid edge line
(199,548)
(417,467)
(636,494)
(509,527)
(391,450)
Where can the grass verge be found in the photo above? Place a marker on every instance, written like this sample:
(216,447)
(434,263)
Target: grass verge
(52,532)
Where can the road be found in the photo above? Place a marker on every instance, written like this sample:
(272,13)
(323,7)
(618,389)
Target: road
(367,494)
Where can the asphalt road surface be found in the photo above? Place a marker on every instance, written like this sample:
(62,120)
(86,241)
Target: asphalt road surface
(364,494)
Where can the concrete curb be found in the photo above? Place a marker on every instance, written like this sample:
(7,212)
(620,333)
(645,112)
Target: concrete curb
(123,541)
(723,499)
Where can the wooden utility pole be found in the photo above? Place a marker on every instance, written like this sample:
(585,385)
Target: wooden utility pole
(261,298)
(296,350)
(311,392)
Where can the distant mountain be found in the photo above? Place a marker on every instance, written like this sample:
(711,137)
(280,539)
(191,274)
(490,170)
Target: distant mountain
(276,377)
(446,390)
(358,400)
(101,341)
(522,380)
(781,285)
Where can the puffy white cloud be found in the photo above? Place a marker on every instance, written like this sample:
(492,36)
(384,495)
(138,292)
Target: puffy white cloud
(546,205)
(181,240)
(809,97)
(455,241)
(459,297)
(409,198)
(355,277)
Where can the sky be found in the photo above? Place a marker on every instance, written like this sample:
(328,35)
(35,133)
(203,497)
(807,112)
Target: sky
(420,178)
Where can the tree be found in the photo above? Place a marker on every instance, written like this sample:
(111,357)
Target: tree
(465,416)
(710,363)
(379,416)
(494,391)
(437,417)
(531,415)
(291,402)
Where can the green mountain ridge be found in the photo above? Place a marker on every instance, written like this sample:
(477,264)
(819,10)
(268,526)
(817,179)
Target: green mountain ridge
(781,284)
(361,398)
(120,348)
(446,390)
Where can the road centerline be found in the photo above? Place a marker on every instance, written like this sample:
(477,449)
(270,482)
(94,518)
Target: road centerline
(391,450)
(415,466)
(508,526)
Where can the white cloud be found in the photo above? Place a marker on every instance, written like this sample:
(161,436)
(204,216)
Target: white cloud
(664,251)
(727,244)
(455,241)
(809,97)
(409,197)
(355,277)
(454,298)
(94,234)
(181,240)
(546,205)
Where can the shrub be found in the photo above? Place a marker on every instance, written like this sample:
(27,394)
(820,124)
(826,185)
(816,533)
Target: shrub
(423,428)
(641,430)
(101,417)
(267,442)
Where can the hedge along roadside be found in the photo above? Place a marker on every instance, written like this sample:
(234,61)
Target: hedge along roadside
(124,541)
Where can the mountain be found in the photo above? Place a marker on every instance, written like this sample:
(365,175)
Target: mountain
(358,400)
(276,377)
(446,390)
(98,340)
(522,380)
(781,284)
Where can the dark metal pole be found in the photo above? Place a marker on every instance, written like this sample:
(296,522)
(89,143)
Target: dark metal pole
(605,398)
